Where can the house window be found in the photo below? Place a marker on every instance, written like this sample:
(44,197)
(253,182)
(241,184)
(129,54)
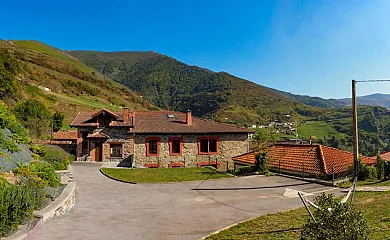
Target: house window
(175,146)
(152,146)
(116,150)
(208,145)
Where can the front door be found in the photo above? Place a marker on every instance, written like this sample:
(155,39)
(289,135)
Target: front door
(98,152)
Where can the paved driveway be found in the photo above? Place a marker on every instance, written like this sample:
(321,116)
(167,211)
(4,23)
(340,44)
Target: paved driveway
(107,209)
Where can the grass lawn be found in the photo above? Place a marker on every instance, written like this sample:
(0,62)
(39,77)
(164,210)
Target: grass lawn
(319,129)
(158,175)
(375,207)
(366,183)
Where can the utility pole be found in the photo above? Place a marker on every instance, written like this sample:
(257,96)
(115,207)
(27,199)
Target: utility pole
(355,131)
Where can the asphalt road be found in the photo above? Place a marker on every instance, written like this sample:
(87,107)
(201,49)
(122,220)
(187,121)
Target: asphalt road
(107,209)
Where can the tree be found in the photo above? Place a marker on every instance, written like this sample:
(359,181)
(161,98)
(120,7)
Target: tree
(32,108)
(34,116)
(9,67)
(264,136)
(57,121)
(335,220)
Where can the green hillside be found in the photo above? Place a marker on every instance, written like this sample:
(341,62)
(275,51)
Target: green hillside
(73,86)
(171,84)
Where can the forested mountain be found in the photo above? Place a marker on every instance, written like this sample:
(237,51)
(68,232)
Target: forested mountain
(38,80)
(314,101)
(171,84)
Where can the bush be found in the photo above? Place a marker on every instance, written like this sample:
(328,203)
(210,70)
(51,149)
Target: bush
(339,223)
(17,203)
(41,169)
(245,170)
(372,173)
(55,155)
(380,167)
(9,67)
(34,116)
(261,163)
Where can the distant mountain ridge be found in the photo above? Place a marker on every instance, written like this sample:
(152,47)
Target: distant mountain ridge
(376,99)
(171,84)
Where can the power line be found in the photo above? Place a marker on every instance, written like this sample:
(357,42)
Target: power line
(374,80)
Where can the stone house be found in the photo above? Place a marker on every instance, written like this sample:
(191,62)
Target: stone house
(157,139)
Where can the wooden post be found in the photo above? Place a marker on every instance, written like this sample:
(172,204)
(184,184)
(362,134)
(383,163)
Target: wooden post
(333,174)
(355,131)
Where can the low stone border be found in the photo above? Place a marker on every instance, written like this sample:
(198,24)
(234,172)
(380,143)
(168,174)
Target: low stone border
(62,204)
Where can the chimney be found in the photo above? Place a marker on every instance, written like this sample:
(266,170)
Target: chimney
(188,117)
(125,114)
(132,115)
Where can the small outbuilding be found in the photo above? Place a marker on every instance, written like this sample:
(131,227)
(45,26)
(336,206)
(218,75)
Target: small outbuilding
(310,160)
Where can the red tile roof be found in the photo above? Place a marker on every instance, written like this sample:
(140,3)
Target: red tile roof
(105,110)
(316,159)
(158,122)
(155,122)
(65,135)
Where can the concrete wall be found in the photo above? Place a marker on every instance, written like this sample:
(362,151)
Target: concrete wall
(229,145)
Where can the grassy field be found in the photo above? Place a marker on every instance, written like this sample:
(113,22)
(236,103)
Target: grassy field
(319,129)
(370,183)
(287,225)
(157,175)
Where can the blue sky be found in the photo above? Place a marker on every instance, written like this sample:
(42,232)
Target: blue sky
(304,47)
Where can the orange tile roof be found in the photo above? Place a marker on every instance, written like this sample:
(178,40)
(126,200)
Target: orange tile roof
(316,159)
(65,135)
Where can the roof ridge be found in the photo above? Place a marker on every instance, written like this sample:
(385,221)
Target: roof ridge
(74,119)
(323,158)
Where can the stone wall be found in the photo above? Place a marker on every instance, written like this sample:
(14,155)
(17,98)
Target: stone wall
(116,135)
(229,145)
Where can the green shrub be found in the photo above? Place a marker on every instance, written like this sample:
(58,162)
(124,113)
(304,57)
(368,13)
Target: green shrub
(9,67)
(56,156)
(17,202)
(372,173)
(246,170)
(8,120)
(41,169)
(380,167)
(261,162)
(339,223)
(34,116)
